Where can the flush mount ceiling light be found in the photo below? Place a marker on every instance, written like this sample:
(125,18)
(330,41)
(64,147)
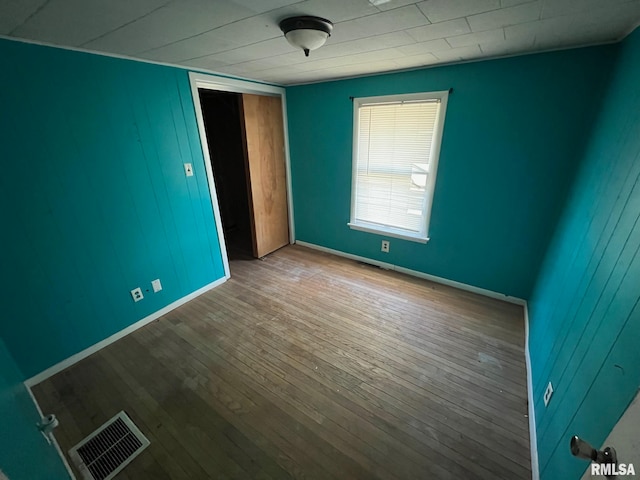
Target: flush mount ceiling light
(307,33)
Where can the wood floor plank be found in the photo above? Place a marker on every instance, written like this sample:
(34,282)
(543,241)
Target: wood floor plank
(307,365)
(259,409)
(364,404)
(294,388)
(351,312)
(251,384)
(259,340)
(383,358)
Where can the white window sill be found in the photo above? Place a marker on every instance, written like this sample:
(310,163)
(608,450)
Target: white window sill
(387,232)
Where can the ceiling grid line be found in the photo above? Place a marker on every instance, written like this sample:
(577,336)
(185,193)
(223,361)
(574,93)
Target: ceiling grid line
(33,14)
(126,24)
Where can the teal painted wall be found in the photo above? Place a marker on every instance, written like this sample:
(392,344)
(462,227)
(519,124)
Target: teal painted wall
(584,313)
(512,140)
(93,198)
(24,453)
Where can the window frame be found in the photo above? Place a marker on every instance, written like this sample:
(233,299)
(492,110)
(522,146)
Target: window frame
(384,230)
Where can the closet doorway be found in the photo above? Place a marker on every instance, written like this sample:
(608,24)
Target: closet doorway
(246,146)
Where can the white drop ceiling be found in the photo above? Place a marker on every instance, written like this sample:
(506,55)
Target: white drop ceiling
(242,38)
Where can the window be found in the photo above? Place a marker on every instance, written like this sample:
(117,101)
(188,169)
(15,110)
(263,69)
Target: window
(395,158)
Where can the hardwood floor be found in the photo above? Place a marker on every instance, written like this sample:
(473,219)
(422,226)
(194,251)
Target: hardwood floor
(307,365)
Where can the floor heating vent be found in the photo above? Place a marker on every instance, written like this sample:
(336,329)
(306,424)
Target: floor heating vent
(104,453)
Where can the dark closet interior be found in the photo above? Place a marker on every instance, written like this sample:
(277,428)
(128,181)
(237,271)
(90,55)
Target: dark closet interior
(223,124)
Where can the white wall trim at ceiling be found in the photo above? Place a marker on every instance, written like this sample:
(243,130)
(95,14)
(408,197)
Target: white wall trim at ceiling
(451,64)
(73,359)
(134,59)
(55,443)
(310,82)
(209,82)
(415,273)
(533,437)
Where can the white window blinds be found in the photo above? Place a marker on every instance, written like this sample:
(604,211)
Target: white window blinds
(396,148)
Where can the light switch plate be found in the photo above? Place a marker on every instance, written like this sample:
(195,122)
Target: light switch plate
(188,169)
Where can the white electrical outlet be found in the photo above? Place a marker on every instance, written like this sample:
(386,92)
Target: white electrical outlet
(385,246)
(136,294)
(188,169)
(157,286)
(547,394)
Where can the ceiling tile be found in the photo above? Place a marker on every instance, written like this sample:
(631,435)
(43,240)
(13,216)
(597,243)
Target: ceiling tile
(364,69)
(521,43)
(264,5)
(13,13)
(183,50)
(266,49)
(595,26)
(74,22)
(330,51)
(257,70)
(285,60)
(294,78)
(457,54)
(504,17)
(212,65)
(497,49)
(174,22)
(385,22)
(265,27)
(233,35)
(440,30)
(269,72)
(375,56)
(441,10)
(555,8)
(419,60)
(489,36)
(361,45)
(393,39)
(423,47)
(333,10)
(391,4)
(511,3)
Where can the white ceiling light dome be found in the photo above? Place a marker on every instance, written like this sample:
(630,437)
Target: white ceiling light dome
(305,32)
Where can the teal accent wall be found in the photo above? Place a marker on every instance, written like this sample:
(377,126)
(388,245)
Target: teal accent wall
(585,313)
(512,140)
(24,453)
(94,200)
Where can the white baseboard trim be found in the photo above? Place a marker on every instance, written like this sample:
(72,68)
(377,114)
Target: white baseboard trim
(55,443)
(58,367)
(533,438)
(415,273)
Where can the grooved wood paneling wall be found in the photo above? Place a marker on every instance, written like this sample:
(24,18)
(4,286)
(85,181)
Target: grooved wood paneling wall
(512,141)
(94,200)
(584,315)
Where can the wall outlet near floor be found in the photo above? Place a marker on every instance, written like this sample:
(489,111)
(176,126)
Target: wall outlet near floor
(157,286)
(385,246)
(136,294)
(547,394)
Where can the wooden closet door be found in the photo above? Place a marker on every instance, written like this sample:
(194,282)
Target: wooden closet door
(266,172)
